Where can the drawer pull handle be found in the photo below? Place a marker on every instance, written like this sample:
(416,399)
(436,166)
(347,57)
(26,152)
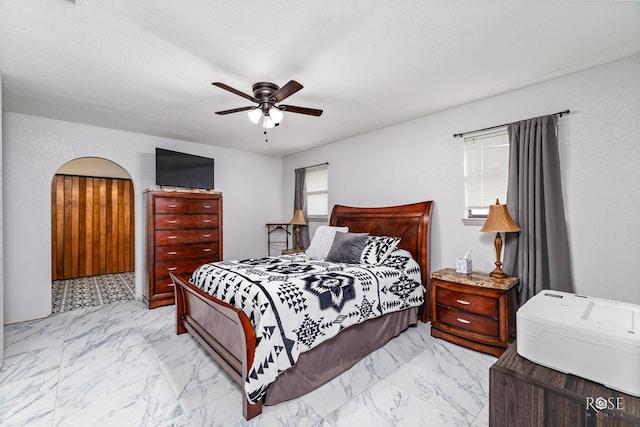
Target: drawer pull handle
(172,221)
(173,206)
(170,284)
(206,250)
(465,321)
(206,206)
(206,221)
(175,268)
(172,253)
(206,235)
(172,237)
(463,302)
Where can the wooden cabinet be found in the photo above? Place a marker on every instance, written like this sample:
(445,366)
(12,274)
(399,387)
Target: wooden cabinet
(525,394)
(184,231)
(473,310)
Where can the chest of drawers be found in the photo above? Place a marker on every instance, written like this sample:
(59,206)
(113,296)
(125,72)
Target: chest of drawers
(184,231)
(473,310)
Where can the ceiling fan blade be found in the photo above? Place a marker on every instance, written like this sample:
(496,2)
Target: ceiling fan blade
(286,91)
(236,91)
(234,110)
(300,110)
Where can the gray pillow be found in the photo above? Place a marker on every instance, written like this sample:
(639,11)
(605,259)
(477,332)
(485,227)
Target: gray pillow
(347,247)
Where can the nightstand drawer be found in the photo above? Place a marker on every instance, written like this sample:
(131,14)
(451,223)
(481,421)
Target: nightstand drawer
(485,306)
(468,321)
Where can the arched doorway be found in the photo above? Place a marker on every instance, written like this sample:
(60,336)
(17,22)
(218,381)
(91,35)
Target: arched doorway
(92,234)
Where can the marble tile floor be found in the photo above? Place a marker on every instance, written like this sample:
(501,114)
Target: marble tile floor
(122,365)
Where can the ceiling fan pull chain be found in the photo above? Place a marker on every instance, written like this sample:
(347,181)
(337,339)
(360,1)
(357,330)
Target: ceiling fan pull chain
(265,138)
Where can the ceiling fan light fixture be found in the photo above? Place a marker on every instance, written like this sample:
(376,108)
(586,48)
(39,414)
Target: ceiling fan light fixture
(267,95)
(276,115)
(255,115)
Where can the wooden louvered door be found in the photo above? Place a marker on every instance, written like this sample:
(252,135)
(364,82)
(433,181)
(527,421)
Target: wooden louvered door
(92,226)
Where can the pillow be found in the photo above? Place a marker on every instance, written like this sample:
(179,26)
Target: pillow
(322,241)
(347,247)
(378,248)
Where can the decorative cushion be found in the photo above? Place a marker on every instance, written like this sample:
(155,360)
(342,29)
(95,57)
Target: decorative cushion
(322,241)
(347,247)
(378,248)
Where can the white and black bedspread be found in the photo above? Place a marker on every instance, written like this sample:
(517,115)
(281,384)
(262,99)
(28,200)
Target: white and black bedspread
(296,302)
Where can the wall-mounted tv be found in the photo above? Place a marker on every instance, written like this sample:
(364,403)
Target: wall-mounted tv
(175,169)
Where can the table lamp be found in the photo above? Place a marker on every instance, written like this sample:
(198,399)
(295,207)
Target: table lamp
(499,221)
(297,221)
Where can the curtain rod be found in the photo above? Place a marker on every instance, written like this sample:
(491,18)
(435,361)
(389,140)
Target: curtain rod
(455,135)
(319,164)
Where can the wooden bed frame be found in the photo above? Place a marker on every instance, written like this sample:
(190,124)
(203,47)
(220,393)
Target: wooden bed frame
(225,331)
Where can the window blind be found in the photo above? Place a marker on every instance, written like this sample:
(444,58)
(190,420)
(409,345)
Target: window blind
(486,170)
(317,191)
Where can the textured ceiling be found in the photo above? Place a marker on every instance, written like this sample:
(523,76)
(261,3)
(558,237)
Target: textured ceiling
(147,66)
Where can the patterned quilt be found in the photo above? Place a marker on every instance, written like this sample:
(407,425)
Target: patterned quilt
(296,302)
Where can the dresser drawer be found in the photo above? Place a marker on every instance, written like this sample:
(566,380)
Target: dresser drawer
(183,267)
(177,221)
(183,237)
(176,252)
(171,205)
(478,304)
(467,321)
(163,285)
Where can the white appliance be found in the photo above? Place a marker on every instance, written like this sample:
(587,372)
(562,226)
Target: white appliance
(593,338)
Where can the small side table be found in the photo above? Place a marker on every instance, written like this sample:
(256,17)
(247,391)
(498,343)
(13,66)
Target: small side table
(292,251)
(277,226)
(474,310)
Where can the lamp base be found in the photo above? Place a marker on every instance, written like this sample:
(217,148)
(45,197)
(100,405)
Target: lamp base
(497,273)
(298,247)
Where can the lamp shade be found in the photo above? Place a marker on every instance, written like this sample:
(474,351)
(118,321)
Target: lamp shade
(255,115)
(499,220)
(298,218)
(268,122)
(276,115)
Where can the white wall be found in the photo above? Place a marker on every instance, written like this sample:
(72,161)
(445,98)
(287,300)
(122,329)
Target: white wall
(1,244)
(599,151)
(35,147)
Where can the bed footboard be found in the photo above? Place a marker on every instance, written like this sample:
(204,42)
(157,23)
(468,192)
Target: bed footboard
(223,330)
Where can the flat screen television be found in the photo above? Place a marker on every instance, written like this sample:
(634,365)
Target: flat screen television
(175,169)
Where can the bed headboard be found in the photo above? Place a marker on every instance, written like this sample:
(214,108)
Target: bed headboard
(409,222)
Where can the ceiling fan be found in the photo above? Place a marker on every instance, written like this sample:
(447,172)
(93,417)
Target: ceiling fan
(266,95)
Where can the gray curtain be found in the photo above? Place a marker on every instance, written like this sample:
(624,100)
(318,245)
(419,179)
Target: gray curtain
(539,254)
(300,202)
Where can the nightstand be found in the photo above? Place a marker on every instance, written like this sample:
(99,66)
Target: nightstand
(474,310)
(292,251)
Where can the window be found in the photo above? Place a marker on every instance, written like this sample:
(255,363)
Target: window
(317,192)
(486,168)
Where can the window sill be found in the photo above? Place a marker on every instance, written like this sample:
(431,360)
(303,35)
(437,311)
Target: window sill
(318,218)
(477,222)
